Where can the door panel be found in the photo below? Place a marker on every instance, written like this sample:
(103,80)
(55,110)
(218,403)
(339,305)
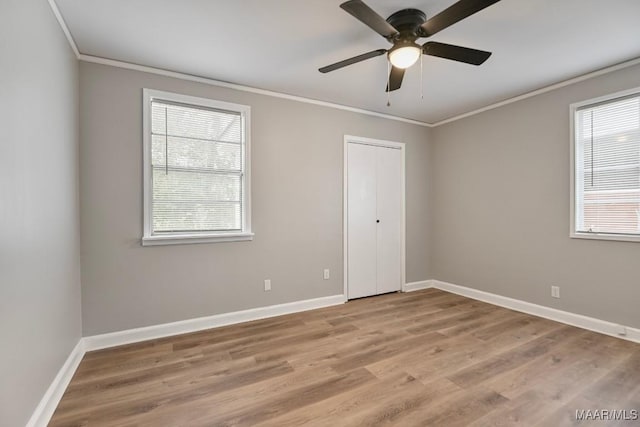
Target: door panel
(361,220)
(389,213)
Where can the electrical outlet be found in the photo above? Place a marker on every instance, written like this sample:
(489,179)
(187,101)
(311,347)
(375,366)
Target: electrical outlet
(267,284)
(326,274)
(555,291)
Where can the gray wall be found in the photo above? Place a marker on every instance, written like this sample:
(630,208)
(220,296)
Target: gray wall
(500,209)
(297,156)
(39,216)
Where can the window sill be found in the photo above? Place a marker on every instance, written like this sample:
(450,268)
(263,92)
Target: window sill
(185,239)
(605,236)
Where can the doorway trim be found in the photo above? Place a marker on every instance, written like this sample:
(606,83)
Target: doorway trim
(351,139)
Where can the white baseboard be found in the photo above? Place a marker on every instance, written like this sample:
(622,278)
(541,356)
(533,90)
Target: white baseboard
(97,342)
(52,396)
(416,286)
(584,322)
(49,402)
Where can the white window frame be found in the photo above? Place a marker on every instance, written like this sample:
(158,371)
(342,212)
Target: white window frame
(151,239)
(573,111)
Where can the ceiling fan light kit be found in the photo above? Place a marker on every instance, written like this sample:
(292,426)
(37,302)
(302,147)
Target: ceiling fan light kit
(403,28)
(404,55)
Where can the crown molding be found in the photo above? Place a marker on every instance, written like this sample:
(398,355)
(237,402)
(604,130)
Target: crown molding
(65,29)
(199,79)
(212,82)
(545,89)
(189,77)
(235,86)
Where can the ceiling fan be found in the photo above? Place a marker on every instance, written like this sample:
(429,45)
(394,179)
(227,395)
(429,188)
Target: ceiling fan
(404,27)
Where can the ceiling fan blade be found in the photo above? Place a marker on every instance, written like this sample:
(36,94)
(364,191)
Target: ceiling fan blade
(454,13)
(369,17)
(395,79)
(353,60)
(455,53)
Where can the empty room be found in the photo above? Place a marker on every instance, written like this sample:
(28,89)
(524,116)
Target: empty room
(320,212)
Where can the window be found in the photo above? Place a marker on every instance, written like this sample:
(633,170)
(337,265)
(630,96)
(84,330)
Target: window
(196,170)
(606,167)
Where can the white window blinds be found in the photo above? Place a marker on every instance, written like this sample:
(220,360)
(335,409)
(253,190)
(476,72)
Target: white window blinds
(607,167)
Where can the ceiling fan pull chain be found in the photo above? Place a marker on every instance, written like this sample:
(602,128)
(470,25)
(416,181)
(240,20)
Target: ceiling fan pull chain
(388,84)
(421,79)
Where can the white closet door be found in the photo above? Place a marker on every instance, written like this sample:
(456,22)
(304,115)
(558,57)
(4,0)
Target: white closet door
(389,215)
(361,220)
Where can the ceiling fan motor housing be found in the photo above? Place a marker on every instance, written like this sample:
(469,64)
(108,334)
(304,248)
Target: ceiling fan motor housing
(408,23)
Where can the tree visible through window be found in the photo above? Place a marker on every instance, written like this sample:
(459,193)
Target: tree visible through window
(607,166)
(197,173)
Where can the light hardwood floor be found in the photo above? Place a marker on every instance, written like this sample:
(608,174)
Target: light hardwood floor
(422,358)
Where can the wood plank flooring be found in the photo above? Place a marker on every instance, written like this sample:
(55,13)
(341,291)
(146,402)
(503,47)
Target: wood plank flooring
(422,358)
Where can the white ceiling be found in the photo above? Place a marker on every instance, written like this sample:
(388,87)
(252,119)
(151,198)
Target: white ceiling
(279,45)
